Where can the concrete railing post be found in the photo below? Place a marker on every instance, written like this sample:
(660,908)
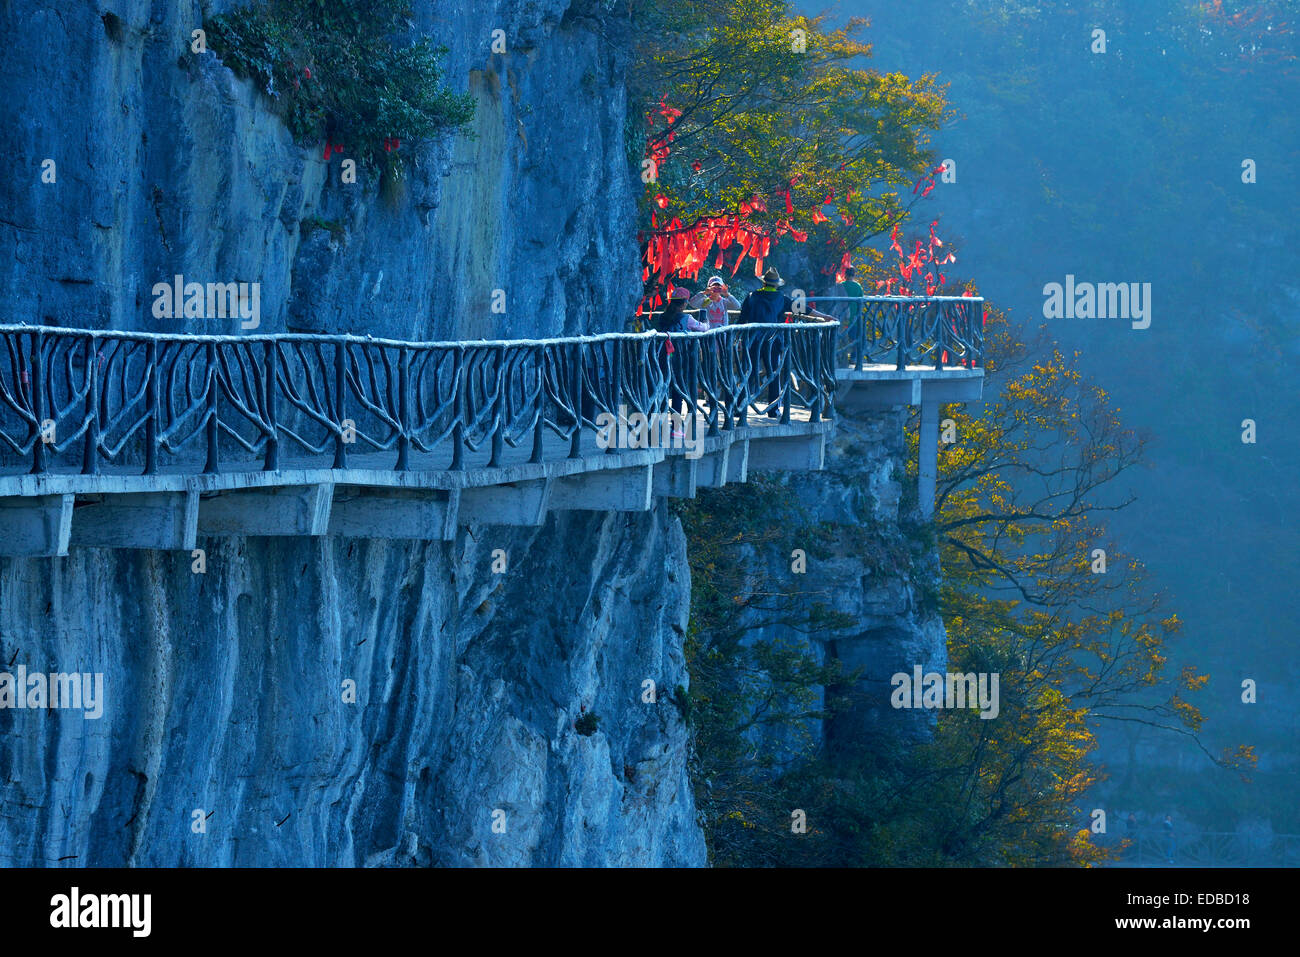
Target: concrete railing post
(928,467)
(38,405)
(340,400)
(458,411)
(403,410)
(90,451)
(272,427)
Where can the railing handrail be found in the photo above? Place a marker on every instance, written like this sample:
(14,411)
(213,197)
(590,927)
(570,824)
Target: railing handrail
(811,297)
(902,330)
(816,298)
(131,398)
(123,393)
(371,340)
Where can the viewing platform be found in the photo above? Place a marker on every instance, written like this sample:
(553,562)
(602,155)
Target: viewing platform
(137,440)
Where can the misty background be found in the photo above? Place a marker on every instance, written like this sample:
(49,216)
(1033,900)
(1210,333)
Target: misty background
(1126,166)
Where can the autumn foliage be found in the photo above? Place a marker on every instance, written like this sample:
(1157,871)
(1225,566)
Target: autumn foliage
(759,130)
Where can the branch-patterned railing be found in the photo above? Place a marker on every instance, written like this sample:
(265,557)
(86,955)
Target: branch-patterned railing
(933,331)
(77,400)
(937,331)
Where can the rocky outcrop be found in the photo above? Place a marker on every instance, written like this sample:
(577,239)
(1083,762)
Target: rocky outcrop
(349,702)
(866,559)
(884,573)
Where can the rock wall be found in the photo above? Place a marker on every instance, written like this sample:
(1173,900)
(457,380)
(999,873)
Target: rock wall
(870,562)
(225,690)
(167,164)
(224,694)
(885,572)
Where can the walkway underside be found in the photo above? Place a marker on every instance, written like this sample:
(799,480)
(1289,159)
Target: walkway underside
(46,514)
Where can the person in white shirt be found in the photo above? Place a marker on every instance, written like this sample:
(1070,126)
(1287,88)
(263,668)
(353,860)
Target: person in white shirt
(716,300)
(675,318)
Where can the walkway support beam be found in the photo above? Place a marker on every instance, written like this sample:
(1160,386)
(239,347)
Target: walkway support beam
(276,511)
(422,514)
(160,520)
(517,503)
(928,466)
(606,490)
(35,527)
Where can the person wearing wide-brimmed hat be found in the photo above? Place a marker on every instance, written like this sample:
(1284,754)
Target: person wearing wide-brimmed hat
(770,305)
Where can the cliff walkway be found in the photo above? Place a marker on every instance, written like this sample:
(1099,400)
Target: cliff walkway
(139,440)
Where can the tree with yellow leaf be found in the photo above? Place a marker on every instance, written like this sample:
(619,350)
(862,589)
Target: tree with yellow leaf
(755,126)
(1035,591)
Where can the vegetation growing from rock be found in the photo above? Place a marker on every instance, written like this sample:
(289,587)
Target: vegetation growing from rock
(741,687)
(340,77)
(1023,497)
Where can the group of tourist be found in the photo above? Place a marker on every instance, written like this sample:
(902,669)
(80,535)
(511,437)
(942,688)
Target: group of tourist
(766,304)
(715,303)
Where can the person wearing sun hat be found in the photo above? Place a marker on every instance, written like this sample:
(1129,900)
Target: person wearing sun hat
(675,318)
(770,305)
(716,300)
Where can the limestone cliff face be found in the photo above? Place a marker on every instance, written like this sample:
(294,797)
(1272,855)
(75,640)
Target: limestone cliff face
(228,692)
(225,691)
(865,564)
(166,163)
(884,574)
(225,694)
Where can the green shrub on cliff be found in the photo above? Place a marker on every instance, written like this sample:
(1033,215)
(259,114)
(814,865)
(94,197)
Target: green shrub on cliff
(338,73)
